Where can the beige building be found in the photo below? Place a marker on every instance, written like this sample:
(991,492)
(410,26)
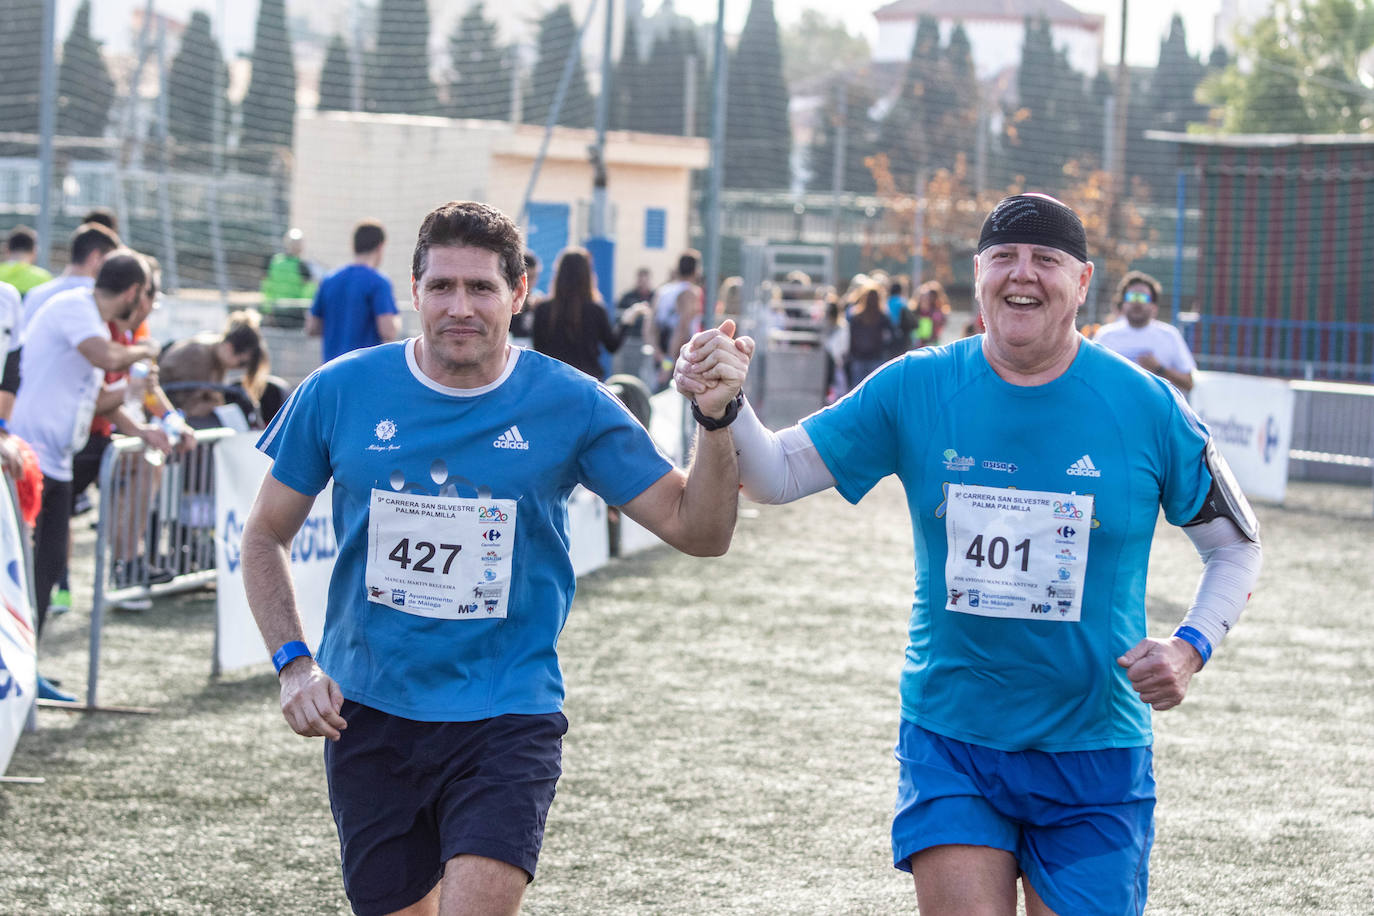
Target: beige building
(396,168)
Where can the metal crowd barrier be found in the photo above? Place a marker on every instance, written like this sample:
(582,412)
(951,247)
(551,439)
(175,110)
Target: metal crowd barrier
(156,523)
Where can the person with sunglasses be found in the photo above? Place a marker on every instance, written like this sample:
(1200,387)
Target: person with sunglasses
(1138,335)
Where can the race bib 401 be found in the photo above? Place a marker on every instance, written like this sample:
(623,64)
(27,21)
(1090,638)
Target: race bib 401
(1018,554)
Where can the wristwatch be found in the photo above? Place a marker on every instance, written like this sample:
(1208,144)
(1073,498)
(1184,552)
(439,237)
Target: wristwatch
(731,411)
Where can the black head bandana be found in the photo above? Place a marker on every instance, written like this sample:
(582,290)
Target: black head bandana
(1034,219)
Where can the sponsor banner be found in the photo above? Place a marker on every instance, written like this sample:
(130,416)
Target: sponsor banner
(669,412)
(1251,420)
(239,471)
(590,543)
(18,641)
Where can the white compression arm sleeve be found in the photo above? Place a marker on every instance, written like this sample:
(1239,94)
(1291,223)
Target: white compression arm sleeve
(1231,566)
(776,467)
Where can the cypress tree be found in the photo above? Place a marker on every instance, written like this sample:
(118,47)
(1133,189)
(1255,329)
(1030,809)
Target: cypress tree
(758,133)
(908,125)
(21,44)
(269,107)
(1048,129)
(336,77)
(481,79)
(628,81)
(558,39)
(85,90)
(197,74)
(397,76)
(957,103)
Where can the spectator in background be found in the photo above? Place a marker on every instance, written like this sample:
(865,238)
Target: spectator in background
(572,323)
(835,342)
(870,334)
(90,243)
(729,301)
(288,275)
(19,269)
(1137,335)
(522,322)
(677,308)
(104,216)
(630,358)
(208,357)
(896,301)
(354,306)
(58,394)
(931,311)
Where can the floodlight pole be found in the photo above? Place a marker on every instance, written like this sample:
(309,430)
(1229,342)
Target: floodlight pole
(47,123)
(713,179)
(599,221)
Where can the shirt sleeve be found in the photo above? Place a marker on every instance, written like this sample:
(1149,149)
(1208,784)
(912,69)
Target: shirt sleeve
(79,321)
(316,303)
(1186,480)
(297,442)
(857,435)
(383,300)
(619,460)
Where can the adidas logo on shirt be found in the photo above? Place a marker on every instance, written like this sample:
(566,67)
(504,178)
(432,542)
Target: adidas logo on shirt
(1083,467)
(511,438)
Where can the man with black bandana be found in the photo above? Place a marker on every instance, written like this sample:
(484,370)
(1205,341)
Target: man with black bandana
(1035,464)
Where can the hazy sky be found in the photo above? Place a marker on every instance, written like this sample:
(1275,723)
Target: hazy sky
(1149,21)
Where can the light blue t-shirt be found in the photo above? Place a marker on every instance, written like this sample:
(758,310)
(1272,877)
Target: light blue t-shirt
(941,416)
(347,304)
(372,419)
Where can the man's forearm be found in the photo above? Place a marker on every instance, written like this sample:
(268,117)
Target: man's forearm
(270,591)
(710,496)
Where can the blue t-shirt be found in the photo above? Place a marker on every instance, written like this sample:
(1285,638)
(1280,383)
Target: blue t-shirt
(942,416)
(347,304)
(373,420)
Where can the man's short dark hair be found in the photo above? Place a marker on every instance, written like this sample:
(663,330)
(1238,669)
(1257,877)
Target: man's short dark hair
(467,223)
(92,237)
(104,216)
(687,264)
(1139,276)
(21,239)
(120,271)
(368,236)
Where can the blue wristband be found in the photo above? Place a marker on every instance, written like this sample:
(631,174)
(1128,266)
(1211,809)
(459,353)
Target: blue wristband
(289,651)
(1196,640)
(4,424)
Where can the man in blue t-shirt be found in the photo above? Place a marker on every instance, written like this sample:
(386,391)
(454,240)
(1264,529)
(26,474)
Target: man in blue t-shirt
(453,456)
(354,307)
(1035,465)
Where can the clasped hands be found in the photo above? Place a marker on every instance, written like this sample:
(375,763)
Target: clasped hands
(712,366)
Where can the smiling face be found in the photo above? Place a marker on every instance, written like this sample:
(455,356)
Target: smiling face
(1029,295)
(465,306)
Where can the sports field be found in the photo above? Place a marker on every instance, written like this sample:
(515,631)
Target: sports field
(730,749)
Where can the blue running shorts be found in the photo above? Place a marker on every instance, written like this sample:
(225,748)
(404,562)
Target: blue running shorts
(1080,823)
(408,796)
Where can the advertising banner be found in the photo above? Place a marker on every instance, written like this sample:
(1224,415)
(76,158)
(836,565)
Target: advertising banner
(239,470)
(18,641)
(1252,421)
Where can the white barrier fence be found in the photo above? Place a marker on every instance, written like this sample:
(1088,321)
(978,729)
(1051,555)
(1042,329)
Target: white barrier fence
(18,638)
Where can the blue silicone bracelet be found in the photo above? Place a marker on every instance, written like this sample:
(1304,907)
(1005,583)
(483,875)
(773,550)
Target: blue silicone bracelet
(1196,640)
(289,651)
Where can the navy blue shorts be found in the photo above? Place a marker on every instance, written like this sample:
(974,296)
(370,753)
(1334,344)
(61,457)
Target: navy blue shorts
(408,796)
(1080,823)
